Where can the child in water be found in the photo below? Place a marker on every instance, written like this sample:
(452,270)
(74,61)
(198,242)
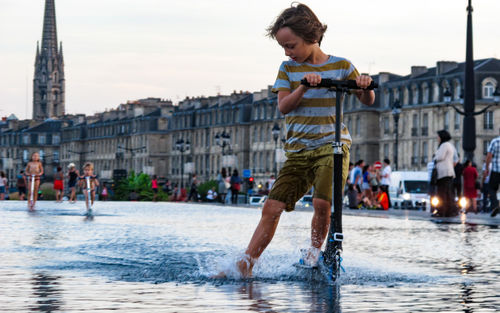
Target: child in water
(33,171)
(88,171)
(310,121)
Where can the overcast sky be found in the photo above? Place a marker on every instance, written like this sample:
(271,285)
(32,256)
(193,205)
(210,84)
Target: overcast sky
(119,50)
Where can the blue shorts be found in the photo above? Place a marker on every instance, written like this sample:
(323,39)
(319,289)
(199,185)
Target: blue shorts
(2,189)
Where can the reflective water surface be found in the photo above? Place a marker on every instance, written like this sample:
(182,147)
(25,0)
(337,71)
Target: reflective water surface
(158,257)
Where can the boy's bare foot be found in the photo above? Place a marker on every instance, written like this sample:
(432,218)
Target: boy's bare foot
(244,267)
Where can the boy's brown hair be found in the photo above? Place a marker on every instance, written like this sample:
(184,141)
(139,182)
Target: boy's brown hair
(302,21)
(89,165)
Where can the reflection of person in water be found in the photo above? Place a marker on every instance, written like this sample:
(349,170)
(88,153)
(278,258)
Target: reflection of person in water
(47,292)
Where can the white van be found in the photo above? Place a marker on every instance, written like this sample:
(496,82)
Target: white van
(408,190)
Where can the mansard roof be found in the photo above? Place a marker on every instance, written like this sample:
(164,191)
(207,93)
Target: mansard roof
(47,126)
(481,65)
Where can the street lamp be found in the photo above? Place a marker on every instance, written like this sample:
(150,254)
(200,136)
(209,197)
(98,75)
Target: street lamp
(469,138)
(276,135)
(396,111)
(80,155)
(223,140)
(182,147)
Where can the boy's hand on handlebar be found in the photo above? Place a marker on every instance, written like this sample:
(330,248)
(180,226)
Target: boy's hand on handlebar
(313,79)
(363,81)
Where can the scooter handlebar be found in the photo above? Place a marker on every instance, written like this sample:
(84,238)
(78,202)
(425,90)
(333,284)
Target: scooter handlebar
(331,83)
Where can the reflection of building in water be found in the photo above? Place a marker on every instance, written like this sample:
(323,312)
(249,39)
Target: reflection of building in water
(46,292)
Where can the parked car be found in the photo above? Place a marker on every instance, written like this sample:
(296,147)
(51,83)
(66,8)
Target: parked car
(257,200)
(409,190)
(305,202)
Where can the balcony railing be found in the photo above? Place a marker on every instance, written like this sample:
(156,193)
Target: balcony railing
(414,131)
(414,160)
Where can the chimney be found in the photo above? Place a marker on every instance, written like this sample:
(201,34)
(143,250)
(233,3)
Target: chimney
(418,70)
(443,67)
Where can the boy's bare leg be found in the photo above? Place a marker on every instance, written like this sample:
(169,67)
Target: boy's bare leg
(262,236)
(319,227)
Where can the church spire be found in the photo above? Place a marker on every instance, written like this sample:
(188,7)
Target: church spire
(48,82)
(49,35)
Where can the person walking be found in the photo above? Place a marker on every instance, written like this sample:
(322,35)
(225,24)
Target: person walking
(193,190)
(21,185)
(235,182)
(59,184)
(73,175)
(222,185)
(385,179)
(470,176)
(493,158)
(3,185)
(154,186)
(445,173)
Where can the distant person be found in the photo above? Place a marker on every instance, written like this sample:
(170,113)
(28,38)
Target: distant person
(21,185)
(3,185)
(493,158)
(385,178)
(211,195)
(193,190)
(382,200)
(445,174)
(457,181)
(73,175)
(88,172)
(470,176)
(485,188)
(270,182)
(235,186)
(154,186)
(222,185)
(365,186)
(34,170)
(352,196)
(59,184)
(104,192)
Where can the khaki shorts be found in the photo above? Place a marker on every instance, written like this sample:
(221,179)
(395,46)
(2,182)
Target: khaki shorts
(306,169)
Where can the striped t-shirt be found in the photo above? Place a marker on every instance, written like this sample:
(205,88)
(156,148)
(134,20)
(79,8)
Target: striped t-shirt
(312,123)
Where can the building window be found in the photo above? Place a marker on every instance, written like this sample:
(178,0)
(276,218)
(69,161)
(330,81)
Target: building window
(41,139)
(488,120)
(435,92)
(25,156)
(425,124)
(414,92)
(414,129)
(26,139)
(425,93)
(457,121)
(486,144)
(424,152)
(386,150)
(386,126)
(447,120)
(488,90)
(358,126)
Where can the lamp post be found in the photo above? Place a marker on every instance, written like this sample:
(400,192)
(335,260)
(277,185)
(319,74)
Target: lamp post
(182,147)
(223,140)
(276,135)
(80,156)
(469,139)
(132,151)
(396,111)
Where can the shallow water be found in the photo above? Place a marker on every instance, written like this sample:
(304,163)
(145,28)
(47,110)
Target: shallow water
(158,257)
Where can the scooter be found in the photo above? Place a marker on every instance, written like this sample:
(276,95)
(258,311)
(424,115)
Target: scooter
(89,196)
(31,204)
(331,257)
